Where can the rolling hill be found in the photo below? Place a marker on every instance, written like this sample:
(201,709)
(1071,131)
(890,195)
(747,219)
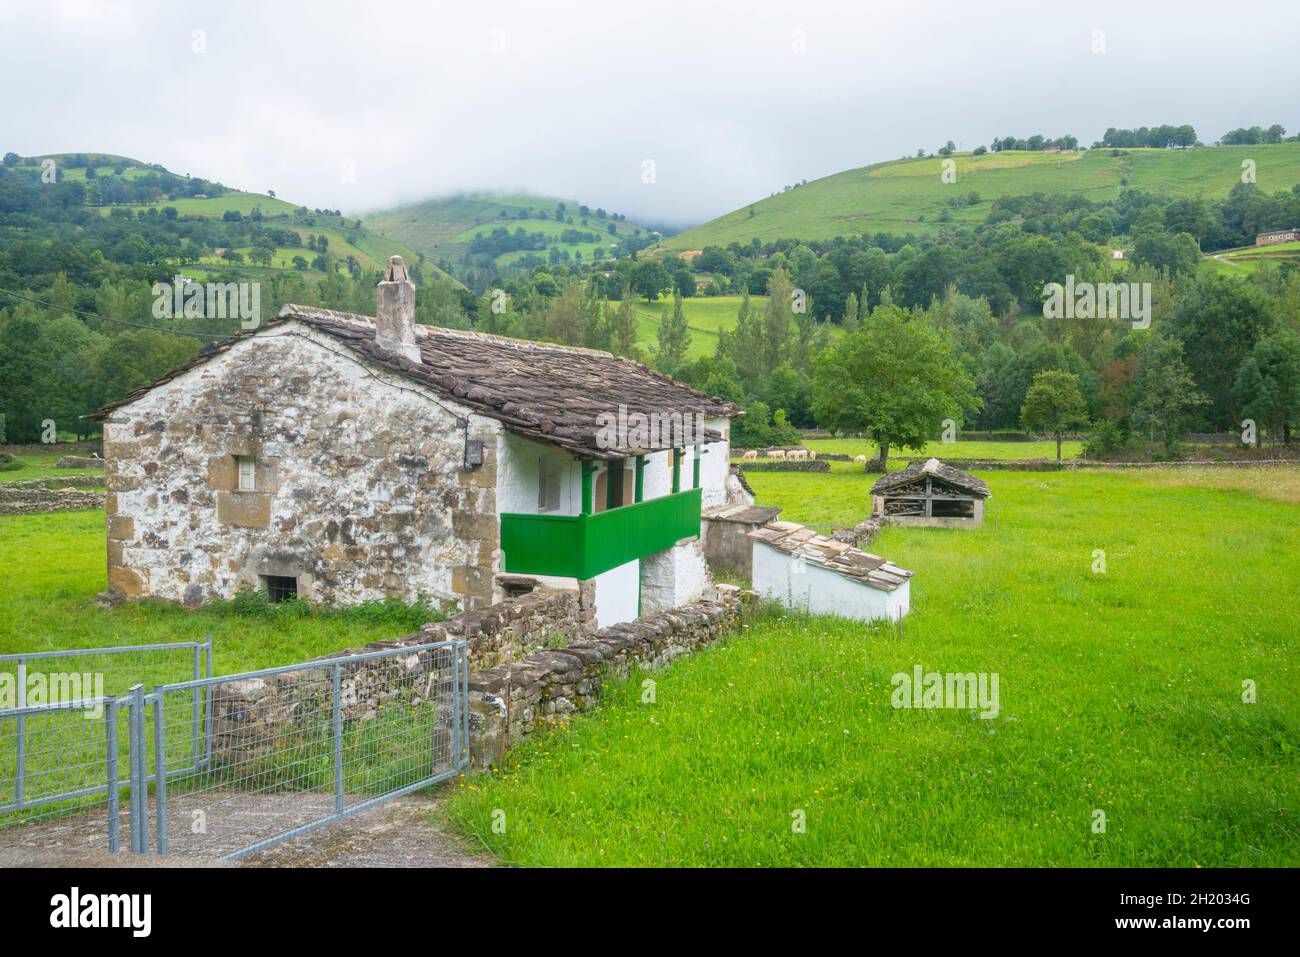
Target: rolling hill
(445,229)
(345,237)
(909,196)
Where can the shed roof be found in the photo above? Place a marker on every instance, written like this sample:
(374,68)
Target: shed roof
(936,470)
(547,392)
(839,557)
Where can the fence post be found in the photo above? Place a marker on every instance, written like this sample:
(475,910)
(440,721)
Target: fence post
(338,737)
(20,759)
(139,839)
(196,717)
(160,771)
(110,769)
(207,700)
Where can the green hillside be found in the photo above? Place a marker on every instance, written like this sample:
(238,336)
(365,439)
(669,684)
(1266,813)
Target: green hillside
(346,238)
(445,230)
(909,196)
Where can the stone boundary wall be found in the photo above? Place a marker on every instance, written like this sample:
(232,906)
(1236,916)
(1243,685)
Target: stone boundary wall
(507,702)
(816,465)
(23,499)
(79,462)
(250,716)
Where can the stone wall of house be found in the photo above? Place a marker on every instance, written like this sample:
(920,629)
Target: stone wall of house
(541,646)
(361,490)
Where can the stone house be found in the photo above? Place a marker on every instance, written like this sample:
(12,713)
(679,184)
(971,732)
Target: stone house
(343,458)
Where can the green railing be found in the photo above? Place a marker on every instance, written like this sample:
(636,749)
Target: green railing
(583,546)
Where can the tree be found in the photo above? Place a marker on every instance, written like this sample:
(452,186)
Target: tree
(1267,388)
(1166,392)
(650,279)
(1053,405)
(622,326)
(776,320)
(674,338)
(896,379)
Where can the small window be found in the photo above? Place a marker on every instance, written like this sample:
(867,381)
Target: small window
(548,484)
(247,473)
(280,588)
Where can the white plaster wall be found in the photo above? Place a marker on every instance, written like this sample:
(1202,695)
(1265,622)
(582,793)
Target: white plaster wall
(617,594)
(674,577)
(657,480)
(518,471)
(777,576)
(715,464)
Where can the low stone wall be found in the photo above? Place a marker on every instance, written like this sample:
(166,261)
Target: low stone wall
(814,465)
(517,626)
(79,462)
(507,702)
(21,498)
(253,717)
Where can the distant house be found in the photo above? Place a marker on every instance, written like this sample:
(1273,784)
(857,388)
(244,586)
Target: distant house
(1117,254)
(1278,236)
(931,494)
(218,250)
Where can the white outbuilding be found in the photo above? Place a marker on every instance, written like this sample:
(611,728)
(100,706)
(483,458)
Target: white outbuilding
(803,570)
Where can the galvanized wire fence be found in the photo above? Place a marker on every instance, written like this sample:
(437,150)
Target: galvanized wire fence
(288,750)
(65,745)
(248,760)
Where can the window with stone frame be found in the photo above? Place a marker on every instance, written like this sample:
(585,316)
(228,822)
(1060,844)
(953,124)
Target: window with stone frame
(246,473)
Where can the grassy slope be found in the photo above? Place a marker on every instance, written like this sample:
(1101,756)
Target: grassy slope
(443,228)
(892,197)
(372,251)
(1119,692)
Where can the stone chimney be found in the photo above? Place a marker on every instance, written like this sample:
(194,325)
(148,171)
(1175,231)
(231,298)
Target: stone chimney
(395,312)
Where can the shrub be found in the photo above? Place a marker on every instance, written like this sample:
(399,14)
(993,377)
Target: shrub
(8,463)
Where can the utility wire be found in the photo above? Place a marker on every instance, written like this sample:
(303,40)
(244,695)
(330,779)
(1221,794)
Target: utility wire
(121,322)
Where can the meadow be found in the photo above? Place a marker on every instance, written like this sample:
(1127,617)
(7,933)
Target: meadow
(1121,692)
(909,195)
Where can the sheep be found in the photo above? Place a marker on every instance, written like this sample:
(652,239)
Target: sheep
(860,459)
(812,455)
(777,455)
(749,455)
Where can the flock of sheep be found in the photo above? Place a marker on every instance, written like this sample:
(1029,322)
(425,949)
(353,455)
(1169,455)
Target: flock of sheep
(790,455)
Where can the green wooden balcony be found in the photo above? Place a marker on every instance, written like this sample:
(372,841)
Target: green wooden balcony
(583,546)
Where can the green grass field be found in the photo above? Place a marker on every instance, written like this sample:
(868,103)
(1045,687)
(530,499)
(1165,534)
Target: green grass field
(43,465)
(1119,692)
(909,196)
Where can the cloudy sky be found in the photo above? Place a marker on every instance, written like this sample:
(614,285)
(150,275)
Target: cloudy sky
(729,100)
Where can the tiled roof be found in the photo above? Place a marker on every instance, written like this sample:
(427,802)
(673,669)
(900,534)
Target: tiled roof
(839,557)
(539,390)
(944,474)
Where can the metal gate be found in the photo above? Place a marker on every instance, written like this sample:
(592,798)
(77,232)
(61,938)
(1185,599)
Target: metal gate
(232,765)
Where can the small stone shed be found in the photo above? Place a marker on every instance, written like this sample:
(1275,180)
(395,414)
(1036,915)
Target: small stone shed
(803,570)
(727,547)
(930,494)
